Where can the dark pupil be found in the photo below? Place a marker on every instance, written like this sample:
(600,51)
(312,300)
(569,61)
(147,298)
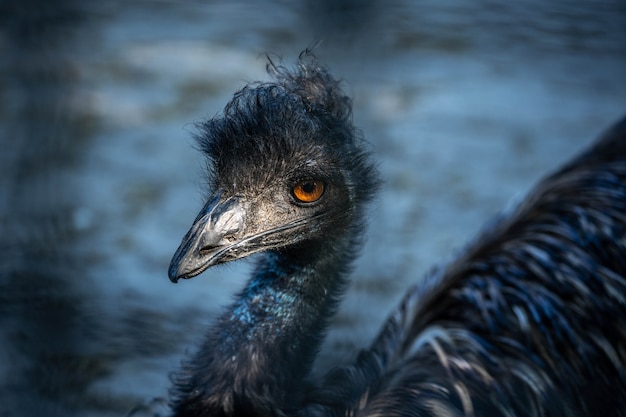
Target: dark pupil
(308,187)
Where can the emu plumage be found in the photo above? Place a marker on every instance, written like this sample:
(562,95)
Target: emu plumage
(528,320)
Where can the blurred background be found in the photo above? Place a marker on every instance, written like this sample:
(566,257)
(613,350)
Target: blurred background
(465,103)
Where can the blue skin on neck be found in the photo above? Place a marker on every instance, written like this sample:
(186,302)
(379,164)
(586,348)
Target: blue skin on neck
(280,299)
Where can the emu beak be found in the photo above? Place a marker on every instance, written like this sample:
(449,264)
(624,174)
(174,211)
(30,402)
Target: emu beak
(207,243)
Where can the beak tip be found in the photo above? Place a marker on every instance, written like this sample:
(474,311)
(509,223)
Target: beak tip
(173,273)
(184,269)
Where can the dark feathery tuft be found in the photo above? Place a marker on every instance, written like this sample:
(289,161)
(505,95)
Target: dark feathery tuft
(301,116)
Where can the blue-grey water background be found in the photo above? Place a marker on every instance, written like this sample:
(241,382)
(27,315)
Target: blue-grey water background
(464,103)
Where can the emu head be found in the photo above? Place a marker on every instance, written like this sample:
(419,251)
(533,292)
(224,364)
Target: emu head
(286,168)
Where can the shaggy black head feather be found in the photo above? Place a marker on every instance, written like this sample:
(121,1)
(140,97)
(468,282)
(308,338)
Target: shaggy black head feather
(296,126)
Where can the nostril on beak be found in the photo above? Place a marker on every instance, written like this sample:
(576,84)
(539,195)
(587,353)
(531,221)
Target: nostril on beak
(208,248)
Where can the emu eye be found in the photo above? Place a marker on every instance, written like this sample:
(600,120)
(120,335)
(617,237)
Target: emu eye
(308,191)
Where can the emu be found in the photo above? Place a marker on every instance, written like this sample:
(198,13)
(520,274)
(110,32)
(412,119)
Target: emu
(528,320)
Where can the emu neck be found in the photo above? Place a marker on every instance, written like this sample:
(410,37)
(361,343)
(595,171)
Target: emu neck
(282,313)
(258,353)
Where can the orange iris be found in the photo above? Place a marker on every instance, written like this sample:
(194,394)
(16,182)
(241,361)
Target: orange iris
(308,191)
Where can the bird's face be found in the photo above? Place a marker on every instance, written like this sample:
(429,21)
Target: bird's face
(286,172)
(260,205)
